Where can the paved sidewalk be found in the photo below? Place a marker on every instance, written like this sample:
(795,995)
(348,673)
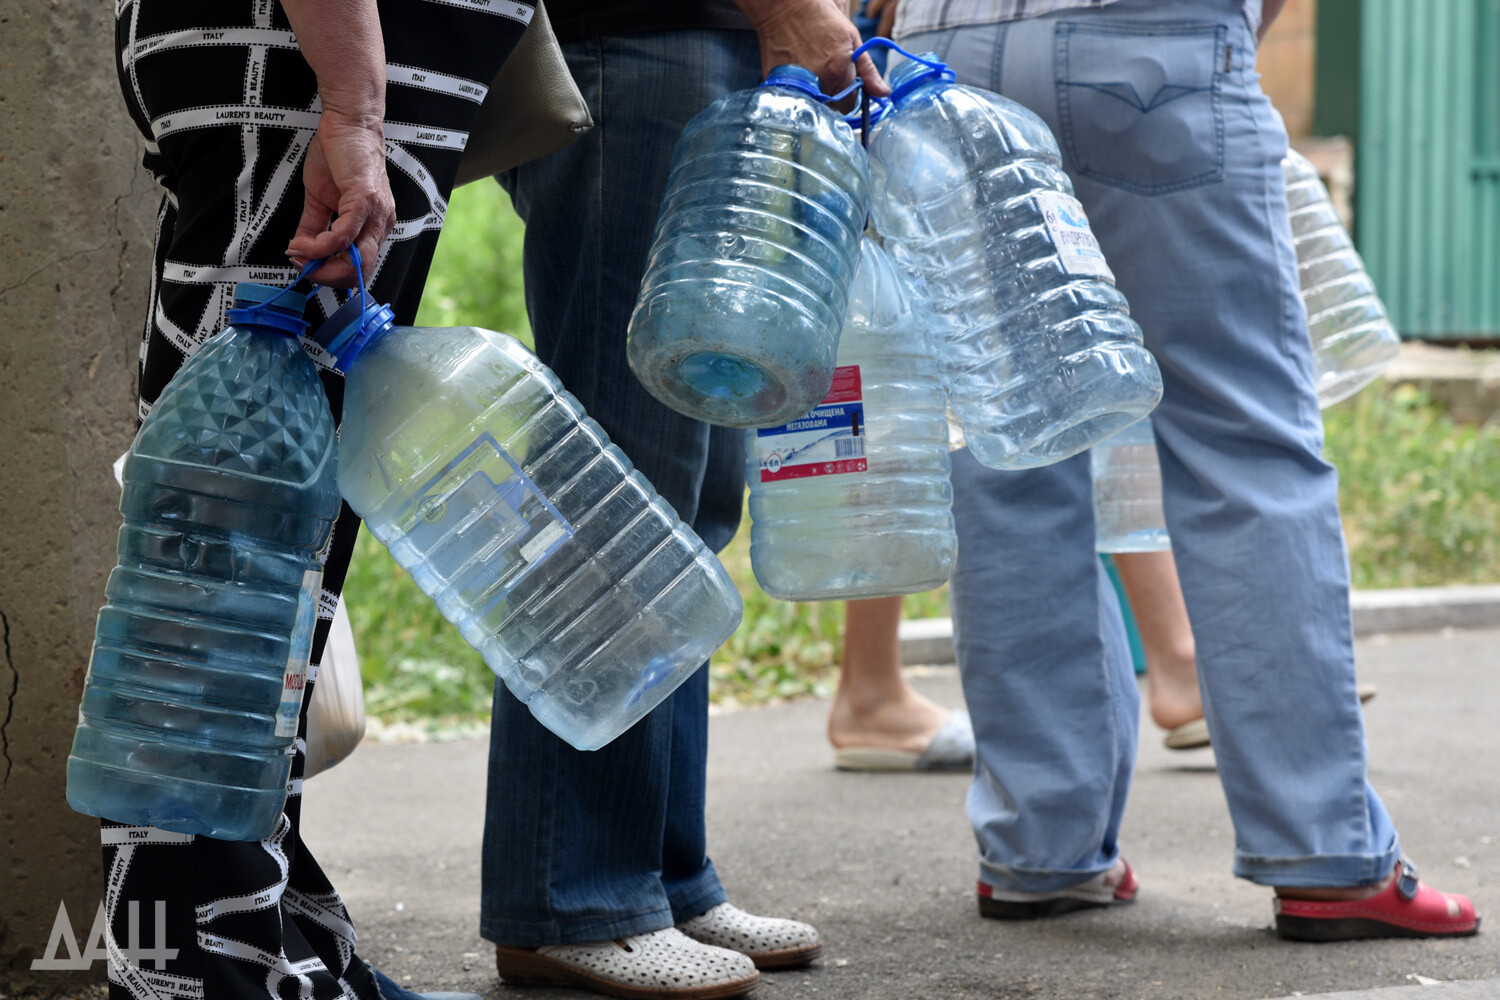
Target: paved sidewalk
(883,864)
(1375,612)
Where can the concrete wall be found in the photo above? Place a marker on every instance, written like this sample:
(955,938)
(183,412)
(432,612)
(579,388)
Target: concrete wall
(76,218)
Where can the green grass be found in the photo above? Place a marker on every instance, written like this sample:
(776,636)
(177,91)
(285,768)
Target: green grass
(1420,497)
(476,272)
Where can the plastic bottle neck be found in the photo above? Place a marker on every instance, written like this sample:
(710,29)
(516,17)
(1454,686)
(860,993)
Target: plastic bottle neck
(349,333)
(916,73)
(267,309)
(796,78)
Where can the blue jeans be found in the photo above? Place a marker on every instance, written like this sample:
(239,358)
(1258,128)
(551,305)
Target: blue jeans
(1175,154)
(578,846)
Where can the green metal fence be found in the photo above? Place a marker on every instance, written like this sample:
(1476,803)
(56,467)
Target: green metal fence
(1428,190)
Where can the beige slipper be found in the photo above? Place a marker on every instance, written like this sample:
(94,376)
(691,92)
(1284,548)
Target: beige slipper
(1192,735)
(952,748)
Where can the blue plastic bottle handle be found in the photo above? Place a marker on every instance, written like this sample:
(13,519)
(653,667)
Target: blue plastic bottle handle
(939,68)
(880,41)
(776,79)
(265,313)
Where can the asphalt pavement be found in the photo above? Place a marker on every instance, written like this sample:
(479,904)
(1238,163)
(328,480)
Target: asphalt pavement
(884,864)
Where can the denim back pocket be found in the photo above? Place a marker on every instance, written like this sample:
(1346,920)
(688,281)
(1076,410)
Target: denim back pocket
(1139,105)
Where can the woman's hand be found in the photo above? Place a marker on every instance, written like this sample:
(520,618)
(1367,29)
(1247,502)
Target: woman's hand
(346,185)
(348,198)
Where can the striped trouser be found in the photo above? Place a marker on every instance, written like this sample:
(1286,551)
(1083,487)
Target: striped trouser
(228,107)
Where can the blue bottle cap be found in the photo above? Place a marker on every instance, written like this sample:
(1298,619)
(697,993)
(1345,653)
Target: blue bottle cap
(271,308)
(795,78)
(352,328)
(917,72)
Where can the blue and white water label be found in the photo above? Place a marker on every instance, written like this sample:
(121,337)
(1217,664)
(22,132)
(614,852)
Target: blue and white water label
(482,524)
(828,440)
(1077,247)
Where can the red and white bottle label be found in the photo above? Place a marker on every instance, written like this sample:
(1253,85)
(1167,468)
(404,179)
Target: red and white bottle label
(829,440)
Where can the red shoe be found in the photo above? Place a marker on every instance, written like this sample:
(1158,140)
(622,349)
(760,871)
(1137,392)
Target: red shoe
(1002,904)
(1405,908)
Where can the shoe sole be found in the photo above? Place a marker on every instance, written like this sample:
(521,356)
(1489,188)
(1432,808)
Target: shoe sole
(787,958)
(1009,909)
(1355,929)
(522,967)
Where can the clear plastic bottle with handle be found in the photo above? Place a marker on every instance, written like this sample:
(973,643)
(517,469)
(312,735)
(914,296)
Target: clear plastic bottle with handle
(853,499)
(534,535)
(1041,358)
(1128,515)
(200,657)
(1352,337)
(739,312)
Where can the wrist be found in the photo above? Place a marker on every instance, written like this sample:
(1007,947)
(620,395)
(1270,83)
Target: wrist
(344,117)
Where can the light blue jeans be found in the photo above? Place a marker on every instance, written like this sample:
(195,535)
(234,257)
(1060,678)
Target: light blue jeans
(582,847)
(1175,154)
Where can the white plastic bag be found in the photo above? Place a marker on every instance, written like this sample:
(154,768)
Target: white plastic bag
(336,715)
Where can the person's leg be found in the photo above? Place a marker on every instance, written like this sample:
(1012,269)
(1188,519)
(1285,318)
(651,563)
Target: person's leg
(585,848)
(874,706)
(1047,676)
(1151,584)
(573,848)
(1041,645)
(1183,186)
(1188,205)
(243,917)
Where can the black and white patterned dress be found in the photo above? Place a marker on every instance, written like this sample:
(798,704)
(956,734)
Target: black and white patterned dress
(228,106)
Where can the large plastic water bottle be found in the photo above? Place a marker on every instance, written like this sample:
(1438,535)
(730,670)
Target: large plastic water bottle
(194,688)
(1128,514)
(738,316)
(535,536)
(1041,357)
(853,499)
(1352,336)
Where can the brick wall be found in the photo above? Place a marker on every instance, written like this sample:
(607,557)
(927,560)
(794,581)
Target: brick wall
(1287,64)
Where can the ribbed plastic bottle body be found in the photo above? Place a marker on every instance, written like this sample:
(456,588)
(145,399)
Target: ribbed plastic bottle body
(1041,358)
(1128,514)
(854,498)
(1353,339)
(738,316)
(200,654)
(533,534)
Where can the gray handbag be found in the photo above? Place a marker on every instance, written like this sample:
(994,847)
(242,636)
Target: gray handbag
(533,107)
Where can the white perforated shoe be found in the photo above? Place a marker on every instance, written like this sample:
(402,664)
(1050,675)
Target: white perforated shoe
(661,965)
(770,942)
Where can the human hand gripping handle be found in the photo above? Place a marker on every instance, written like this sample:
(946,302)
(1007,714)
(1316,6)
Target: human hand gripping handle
(816,35)
(348,200)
